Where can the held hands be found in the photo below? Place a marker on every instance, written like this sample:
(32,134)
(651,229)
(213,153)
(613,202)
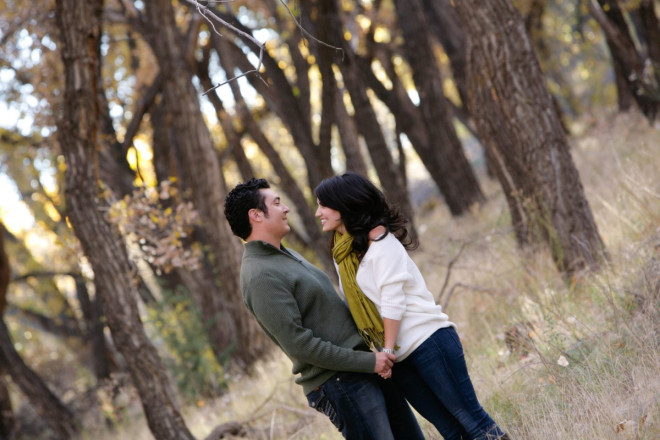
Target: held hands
(384,362)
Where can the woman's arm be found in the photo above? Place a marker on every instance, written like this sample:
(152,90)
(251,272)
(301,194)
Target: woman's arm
(391,332)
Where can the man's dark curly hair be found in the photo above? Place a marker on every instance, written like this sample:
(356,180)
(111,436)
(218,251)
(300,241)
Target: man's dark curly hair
(240,200)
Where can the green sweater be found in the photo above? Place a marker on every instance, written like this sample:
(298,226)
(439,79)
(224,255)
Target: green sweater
(297,306)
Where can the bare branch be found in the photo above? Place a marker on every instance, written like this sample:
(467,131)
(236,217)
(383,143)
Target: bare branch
(44,274)
(305,32)
(210,17)
(465,286)
(449,266)
(141,108)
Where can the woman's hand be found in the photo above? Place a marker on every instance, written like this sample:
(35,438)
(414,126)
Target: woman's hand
(386,375)
(384,362)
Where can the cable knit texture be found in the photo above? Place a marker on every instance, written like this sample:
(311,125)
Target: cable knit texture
(392,280)
(297,306)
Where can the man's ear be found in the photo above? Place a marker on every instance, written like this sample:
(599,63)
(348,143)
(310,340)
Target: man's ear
(255,215)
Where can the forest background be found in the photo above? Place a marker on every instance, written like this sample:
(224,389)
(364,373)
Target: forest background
(520,137)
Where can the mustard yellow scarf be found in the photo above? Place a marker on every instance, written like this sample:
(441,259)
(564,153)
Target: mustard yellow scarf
(364,311)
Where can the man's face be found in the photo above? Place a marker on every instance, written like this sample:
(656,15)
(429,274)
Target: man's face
(274,221)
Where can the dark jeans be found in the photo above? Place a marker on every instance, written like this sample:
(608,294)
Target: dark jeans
(435,380)
(364,406)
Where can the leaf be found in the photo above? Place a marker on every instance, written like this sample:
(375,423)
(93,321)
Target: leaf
(562,361)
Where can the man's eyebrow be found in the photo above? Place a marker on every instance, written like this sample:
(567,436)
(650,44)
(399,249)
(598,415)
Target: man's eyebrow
(276,199)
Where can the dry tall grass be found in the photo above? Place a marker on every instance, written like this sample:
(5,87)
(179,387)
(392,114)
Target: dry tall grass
(548,360)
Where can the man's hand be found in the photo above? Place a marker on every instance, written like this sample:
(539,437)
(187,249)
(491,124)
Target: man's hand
(384,362)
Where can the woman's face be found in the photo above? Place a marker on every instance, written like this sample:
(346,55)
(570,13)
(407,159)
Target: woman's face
(330,219)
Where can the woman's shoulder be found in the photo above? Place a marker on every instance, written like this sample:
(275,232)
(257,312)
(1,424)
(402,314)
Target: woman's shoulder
(387,243)
(377,233)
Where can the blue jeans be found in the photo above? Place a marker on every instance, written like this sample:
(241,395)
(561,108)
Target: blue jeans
(435,380)
(364,406)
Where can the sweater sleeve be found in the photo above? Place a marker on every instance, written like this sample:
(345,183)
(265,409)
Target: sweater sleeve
(390,266)
(277,311)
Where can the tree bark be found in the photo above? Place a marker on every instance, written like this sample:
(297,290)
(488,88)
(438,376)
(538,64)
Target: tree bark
(283,99)
(534,27)
(365,117)
(201,173)
(57,415)
(644,89)
(314,239)
(516,121)
(651,31)
(234,147)
(444,158)
(6,411)
(348,132)
(78,133)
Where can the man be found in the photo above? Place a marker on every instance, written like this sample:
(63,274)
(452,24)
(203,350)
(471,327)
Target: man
(297,306)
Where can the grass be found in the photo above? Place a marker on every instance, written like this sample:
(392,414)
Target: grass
(585,362)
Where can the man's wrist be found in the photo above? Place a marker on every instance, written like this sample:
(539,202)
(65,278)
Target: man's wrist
(388,350)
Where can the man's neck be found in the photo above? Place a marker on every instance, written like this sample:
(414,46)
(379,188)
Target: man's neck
(274,241)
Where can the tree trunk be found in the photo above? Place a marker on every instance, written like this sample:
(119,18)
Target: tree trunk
(103,362)
(283,99)
(7,422)
(516,121)
(445,24)
(534,27)
(200,172)
(6,411)
(78,133)
(651,32)
(234,147)
(365,116)
(644,89)
(58,416)
(314,239)
(348,132)
(60,419)
(445,158)
(199,283)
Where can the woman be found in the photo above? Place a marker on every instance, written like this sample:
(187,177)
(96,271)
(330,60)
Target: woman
(394,310)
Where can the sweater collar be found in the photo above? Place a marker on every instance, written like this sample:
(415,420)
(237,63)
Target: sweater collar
(259,247)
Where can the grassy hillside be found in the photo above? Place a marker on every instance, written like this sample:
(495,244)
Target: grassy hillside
(550,358)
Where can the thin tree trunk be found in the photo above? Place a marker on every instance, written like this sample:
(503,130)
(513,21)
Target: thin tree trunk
(314,239)
(282,98)
(445,24)
(365,116)
(645,91)
(57,415)
(348,132)
(445,158)
(534,27)
(201,173)
(234,146)
(78,134)
(515,119)
(651,31)
(7,423)
(60,419)
(102,360)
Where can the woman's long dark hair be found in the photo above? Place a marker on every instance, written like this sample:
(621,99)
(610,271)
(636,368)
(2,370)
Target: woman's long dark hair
(362,207)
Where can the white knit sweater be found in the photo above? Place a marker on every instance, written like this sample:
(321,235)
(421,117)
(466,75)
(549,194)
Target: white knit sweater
(392,280)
